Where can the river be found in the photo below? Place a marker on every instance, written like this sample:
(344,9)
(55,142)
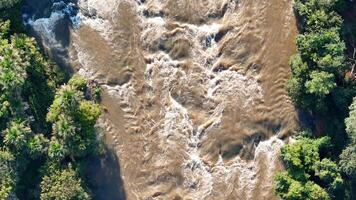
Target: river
(194,90)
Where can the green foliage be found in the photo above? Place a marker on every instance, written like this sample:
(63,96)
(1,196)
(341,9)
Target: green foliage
(12,79)
(8,3)
(73,119)
(66,102)
(304,166)
(4,28)
(348,156)
(37,146)
(323,50)
(351,121)
(56,150)
(315,192)
(78,83)
(25,76)
(17,136)
(316,69)
(319,67)
(348,160)
(317,14)
(320,83)
(96,92)
(63,185)
(301,156)
(11,10)
(88,114)
(8,174)
(329,173)
(43,77)
(290,189)
(29,85)
(296,84)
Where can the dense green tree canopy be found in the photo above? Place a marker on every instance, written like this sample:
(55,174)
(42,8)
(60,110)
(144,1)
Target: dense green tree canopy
(348,156)
(290,189)
(316,69)
(7,3)
(73,119)
(318,14)
(12,79)
(16,136)
(8,176)
(351,121)
(41,122)
(304,165)
(320,84)
(63,185)
(323,50)
(320,65)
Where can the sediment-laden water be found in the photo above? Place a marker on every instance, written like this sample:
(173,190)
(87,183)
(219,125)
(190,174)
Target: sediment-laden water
(195,104)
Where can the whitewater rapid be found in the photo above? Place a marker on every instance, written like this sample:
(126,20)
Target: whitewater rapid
(194,98)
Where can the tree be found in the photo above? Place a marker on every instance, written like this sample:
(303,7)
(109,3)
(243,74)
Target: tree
(318,85)
(8,3)
(78,83)
(316,68)
(42,79)
(4,28)
(17,136)
(317,14)
(321,83)
(37,146)
(12,79)
(8,176)
(63,185)
(304,167)
(73,118)
(348,160)
(295,85)
(20,140)
(28,85)
(351,121)
(348,156)
(301,156)
(56,151)
(329,174)
(323,50)
(290,189)
(315,192)
(66,102)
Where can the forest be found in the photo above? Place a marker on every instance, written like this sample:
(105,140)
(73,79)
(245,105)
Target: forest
(47,122)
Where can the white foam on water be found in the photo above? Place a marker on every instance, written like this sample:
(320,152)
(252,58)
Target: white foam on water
(199,179)
(162,75)
(45,26)
(197,176)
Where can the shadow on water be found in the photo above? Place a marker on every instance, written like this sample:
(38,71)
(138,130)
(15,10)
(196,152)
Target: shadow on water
(50,23)
(104,177)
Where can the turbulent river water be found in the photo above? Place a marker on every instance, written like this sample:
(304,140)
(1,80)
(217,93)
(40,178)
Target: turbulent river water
(194,97)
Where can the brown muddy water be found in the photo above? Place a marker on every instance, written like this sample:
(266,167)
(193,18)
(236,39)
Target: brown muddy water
(195,104)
